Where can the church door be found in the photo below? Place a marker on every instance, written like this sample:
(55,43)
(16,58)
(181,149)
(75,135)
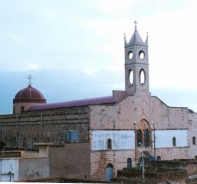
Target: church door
(109,172)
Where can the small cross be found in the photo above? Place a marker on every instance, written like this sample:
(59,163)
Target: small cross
(29,77)
(135,24)
(142,108)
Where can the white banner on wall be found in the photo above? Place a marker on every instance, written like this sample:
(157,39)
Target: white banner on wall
(120,140)
(164,138)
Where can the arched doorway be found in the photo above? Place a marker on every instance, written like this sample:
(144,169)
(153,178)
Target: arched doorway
(109,172)
(147,158)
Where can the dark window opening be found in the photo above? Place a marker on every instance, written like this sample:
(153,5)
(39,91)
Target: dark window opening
(146,138)
(174,141)
(158,158)
(139,138)
(129,163)
(109,144)
(22,108)
(194,140)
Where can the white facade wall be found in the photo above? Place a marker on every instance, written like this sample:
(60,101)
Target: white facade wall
(164,138)
(121,140)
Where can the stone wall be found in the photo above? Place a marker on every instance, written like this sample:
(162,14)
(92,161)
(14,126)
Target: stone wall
(100,160)
(70,161)
(25,129)
(165,176)
(190,165)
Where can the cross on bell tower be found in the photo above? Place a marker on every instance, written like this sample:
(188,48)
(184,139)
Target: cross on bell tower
(136,64)
(135,24)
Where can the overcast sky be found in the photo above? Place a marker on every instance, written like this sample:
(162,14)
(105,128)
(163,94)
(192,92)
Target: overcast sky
(74,49)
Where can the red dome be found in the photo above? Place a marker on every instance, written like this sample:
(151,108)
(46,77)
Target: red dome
(29,94)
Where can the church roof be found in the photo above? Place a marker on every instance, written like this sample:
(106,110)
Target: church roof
(75,103)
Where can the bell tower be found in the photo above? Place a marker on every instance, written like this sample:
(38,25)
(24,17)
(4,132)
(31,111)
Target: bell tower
(136,64)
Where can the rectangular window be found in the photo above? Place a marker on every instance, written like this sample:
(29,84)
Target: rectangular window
(109,144)
(174,141)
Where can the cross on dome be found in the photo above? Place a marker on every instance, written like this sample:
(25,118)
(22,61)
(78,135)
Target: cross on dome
(29,78)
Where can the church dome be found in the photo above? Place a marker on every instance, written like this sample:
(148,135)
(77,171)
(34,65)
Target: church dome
(29,94)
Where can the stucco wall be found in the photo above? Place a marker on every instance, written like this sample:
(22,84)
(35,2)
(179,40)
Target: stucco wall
(70,161)
(165,117)
(12,166)
(134,108)
(33,168)
(173,153)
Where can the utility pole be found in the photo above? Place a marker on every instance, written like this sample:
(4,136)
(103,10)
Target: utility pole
(41,134)
(143,164)
(1,129)
(154,141)
(142,151)
(17,133)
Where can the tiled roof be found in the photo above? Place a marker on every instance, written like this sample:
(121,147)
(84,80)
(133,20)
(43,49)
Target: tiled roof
(75,103)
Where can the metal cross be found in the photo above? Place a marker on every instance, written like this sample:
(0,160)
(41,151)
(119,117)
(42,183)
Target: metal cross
(135,24)
(29,77)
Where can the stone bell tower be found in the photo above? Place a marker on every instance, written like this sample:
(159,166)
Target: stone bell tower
(136,64)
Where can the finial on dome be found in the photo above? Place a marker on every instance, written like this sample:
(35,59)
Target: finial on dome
(29,78)
(135,24)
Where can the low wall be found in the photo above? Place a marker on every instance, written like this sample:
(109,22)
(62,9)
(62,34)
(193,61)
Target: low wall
(70,161)
(33,168)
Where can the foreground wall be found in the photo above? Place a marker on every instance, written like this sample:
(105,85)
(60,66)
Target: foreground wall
(21,169)
(30,168)
(70,161)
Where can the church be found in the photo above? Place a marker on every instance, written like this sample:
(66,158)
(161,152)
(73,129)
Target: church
(118,129)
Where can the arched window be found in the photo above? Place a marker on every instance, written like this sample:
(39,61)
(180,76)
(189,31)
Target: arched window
(109,144)
(139,138)
(158,158)
(174,141)
(146,138)
(129,163)
(194,140)
(14,110)
(22,108)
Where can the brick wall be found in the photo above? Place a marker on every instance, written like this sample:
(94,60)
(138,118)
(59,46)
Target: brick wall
(25,130)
